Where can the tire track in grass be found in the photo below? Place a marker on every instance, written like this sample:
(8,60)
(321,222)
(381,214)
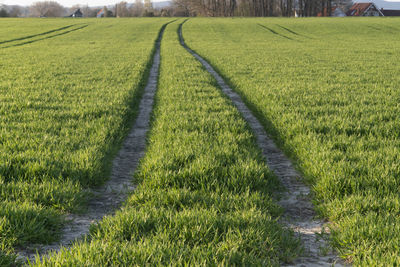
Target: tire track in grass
(276,33)
(47,37)
(292,32)
(299,214)
(35,35)
(106,199)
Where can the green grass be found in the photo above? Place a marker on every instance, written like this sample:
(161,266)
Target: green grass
(66,104)
(13,30)
(328,91)
(204,193)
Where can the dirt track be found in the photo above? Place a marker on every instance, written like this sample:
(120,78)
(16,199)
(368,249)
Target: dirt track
(299,213)
(109,197)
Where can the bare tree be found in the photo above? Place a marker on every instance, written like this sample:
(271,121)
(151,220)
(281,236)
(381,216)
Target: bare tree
(3,12)
(46,9)
(122,9)
(257,8)
(137,9)
(106,13)
(87,11)
(148,5)
(343,4)
(12,11)
(148,9)
(73,8)
(181,8)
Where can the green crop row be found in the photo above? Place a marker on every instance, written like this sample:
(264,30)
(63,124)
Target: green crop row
(204,194)
(328,90)
(66,104)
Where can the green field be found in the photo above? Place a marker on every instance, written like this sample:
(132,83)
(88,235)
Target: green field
(66,104)
(14,31)
(204,194)
(327,90)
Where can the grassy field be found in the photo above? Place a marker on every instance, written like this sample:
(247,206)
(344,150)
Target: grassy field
(66,103)
(13,31)
(328,90)
(204,195)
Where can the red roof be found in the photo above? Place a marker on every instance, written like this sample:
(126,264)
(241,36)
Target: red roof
(358,9)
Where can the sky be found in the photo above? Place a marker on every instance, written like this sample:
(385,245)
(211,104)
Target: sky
(69,3)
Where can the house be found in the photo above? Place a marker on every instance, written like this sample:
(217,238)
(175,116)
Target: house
(104,12)
(335,12)
(101,13)
(77,14)
(364,9)
(390,12)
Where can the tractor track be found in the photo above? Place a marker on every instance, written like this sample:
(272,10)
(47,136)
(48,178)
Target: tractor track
(108,198)
(46,37)
(35,35)
(299,212)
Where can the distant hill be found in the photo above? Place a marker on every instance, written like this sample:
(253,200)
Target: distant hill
(162,4)
(383,4)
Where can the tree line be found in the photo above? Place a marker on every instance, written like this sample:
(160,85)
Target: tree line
(139,8)
(186,8)
(258,8)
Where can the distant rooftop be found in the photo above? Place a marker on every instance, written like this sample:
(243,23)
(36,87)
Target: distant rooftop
(382,4)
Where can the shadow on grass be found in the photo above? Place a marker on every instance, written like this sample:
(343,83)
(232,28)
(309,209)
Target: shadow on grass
(276,33)
(293,32)
(47,37)
(35,35)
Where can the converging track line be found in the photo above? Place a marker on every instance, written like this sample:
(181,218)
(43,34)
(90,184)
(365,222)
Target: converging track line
(299,213)
(47,37)
(276,33)
(35,35)
(109,197)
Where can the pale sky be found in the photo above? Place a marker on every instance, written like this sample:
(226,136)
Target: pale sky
(69,3)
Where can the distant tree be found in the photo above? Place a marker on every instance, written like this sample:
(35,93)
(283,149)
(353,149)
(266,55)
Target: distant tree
(74,7)
(211,8)
(166,12)
(148,9)
(255,8)
(343,4)
(46,9)
(87,11)
(122,9)
(181,8)
(192,7)
(90,12)
(137,9)
(15,11)
(148,5)
(148,13)
(3,12)
(105,10)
